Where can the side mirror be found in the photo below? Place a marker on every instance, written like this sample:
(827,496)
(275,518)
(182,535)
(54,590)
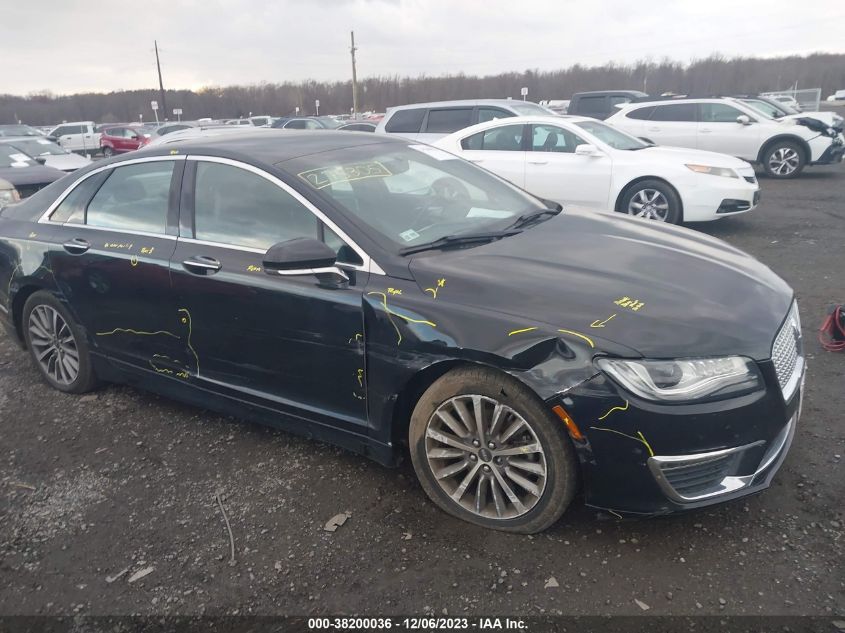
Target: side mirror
(743,119)
(301,256)
(40,160)
(587,150)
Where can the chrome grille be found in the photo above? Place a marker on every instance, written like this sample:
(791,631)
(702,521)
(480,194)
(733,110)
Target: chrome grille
(787,353)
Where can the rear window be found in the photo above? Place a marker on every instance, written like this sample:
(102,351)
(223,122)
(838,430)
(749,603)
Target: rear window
(449,120)
(406,121)
(674,112)
(593,104)
(641,113)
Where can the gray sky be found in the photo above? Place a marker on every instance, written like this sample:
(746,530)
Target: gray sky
(69,46)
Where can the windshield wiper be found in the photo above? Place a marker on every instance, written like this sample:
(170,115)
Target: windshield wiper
(527,218)
(457,240)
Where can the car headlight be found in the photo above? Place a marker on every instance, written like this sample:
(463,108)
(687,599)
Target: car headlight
(686,379)
(9,196)
(713,171)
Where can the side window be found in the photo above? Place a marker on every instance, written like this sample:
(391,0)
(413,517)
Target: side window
(406,121)
(592,104)
(59,131)
(641,114)
(717,113)
(133,198)
(448,120)
(550,138)
(296,124)
(72,208)
(507,138)
(345,254)
(312,125)
(235,206)
(680,112)
(488,114)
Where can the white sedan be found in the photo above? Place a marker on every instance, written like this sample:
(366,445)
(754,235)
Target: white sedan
(583,162)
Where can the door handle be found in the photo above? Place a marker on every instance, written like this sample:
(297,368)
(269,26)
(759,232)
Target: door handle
(76,246)
(705,130)
(476,160)
(538,162)
(202,265)
(654,129)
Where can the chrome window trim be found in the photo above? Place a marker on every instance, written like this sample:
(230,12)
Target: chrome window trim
(45,217)
(369,265)
(165,236)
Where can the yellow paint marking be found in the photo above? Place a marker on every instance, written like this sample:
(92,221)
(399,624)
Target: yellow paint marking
(121,330)
(625,408)
(528,329)
(440,284)
(616,514)
(598,323)
(640,439)
(190,331)
(133,261)
(401,316)
(579,335)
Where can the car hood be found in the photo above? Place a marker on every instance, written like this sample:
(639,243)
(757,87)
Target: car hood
(32,175)
(588,272)
(681,154)
(67,162)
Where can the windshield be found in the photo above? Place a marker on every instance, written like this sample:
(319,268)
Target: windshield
(18,130)
(770,110)
(611,136)
(530,109)
(412,194)
(11,156)
(39,147)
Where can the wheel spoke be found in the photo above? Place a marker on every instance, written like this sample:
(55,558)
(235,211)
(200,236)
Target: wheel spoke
(478,415)
(520,450)
(522,482)
(451,422)
(464,414)
(511,430)
(462,488)
(448,471)
(498,502)
(445,453)
(509,493)
(444,438)
(494,422)
(48,350)
(481,494)
(531,467)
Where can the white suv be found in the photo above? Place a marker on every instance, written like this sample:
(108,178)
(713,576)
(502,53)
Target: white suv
(729,126)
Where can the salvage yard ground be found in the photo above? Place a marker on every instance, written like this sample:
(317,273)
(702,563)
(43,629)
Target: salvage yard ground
(108,501)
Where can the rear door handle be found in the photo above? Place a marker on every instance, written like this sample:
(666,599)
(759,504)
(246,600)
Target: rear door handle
(654,129)
(76,246)
(705,130)
(538,162)
(202,265)
(476,160)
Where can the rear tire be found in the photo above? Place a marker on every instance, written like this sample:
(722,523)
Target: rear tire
(511,480)
(653,200)
(57,344)
(108,152)
(783,159)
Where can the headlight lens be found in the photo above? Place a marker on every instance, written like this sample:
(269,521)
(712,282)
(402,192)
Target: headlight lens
(685,380)
(9,196)
(713,171)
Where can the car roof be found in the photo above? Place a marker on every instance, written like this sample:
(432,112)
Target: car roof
(609,92)
(274,146)
(520,120)
(459,102)
(12,139)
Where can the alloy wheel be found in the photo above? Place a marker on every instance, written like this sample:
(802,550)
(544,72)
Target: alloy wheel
(53,344)
(784,160)
(650,204)
(486,457)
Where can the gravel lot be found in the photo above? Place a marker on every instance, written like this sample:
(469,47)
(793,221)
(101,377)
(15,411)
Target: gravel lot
(97,490)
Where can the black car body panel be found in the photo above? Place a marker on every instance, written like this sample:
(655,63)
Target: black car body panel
(345,361)
(28,180)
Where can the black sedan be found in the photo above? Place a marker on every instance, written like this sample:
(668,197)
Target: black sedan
(381,294)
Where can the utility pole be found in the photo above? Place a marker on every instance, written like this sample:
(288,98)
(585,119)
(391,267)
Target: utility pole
(354,78)
(160,83)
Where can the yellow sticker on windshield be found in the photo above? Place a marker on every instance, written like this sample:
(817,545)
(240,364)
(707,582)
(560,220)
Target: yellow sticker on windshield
(325,176)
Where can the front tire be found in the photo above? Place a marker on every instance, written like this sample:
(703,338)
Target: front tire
(653,200)
(108,152)
(783,159)
(487,451)
(57,344)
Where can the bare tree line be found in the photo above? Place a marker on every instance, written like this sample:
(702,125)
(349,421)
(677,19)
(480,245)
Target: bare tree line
(709,76)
